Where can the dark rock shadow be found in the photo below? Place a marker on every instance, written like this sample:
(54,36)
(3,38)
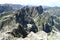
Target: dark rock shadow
(39,9)
(47,28)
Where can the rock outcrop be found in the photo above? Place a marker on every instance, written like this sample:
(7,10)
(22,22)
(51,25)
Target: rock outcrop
(28,23)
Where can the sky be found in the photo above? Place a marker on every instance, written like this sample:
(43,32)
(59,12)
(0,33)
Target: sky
(32,2)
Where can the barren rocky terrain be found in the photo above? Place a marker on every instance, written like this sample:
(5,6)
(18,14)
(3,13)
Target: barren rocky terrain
(30,23)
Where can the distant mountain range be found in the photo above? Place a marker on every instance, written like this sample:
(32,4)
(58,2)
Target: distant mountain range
(9,7)
(49,7)
(12,5)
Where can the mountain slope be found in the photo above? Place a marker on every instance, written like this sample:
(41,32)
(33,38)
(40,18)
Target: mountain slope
(19,23)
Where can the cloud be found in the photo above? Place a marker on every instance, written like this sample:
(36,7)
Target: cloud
(32,2)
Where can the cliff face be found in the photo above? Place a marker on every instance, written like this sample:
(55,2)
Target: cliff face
(25,17)
(22,22)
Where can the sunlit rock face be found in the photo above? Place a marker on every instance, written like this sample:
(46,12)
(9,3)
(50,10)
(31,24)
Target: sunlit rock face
(5,22)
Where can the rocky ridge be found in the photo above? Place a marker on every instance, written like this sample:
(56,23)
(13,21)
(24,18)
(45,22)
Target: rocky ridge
(27,23)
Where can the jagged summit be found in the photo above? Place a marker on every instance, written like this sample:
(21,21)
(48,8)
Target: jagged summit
(28,21)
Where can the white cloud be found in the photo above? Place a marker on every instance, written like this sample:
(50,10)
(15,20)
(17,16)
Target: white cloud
(32,2)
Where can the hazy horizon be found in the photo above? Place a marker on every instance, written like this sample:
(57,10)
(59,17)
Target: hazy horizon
(32,2)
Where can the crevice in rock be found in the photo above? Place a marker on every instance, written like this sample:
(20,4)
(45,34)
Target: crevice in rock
(47,28)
